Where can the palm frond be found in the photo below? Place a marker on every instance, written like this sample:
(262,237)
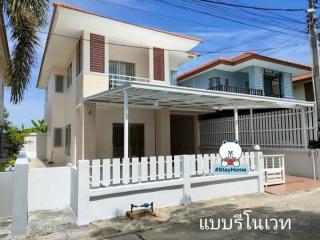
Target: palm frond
(25,18)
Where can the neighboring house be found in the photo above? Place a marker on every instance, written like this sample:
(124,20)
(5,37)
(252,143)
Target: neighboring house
(249,73)
(255,75)
(303,87)
(4,62)
(111,89)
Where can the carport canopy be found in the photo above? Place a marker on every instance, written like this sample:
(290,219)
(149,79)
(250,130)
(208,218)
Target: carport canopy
(186,99)
(189,99)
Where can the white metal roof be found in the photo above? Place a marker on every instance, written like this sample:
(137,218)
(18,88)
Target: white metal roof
(190,99)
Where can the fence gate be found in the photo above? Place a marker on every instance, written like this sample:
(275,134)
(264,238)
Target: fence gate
(274,172)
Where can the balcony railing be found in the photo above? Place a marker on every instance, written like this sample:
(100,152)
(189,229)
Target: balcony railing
(116,80)
(227,88)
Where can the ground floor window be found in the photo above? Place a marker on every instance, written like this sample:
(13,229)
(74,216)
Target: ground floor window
(57,137)
(136,139)
(67,139)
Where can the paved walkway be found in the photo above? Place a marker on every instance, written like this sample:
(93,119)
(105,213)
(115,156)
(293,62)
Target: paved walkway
(293,184)
(182,222)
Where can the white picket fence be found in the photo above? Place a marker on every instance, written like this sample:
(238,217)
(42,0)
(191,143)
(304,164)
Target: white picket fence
(276,129)
(274,169)
(115,172)
(105,188)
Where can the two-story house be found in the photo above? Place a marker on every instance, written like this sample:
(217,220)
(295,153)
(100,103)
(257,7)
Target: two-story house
(87,54)
(257,75)
(111,89)
(248,73)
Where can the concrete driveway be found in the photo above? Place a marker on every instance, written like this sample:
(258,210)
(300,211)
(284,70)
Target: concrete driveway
(183,222)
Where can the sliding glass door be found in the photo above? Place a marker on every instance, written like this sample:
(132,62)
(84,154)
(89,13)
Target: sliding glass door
(120,71)
(272,83)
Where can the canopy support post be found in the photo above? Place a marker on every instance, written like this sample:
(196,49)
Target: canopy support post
(251,127)
(126,124)
(236,123)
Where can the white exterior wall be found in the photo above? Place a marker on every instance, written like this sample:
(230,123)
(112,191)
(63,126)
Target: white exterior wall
(140,58)
(36,145)
(106,116)
(6,186)
(70,108)
(49,188)
(163,143)
(62,109)
(297,162)
(298,91)
(55,118)
(92,82)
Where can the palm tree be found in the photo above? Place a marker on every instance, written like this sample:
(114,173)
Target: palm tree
(25,19)
(39,126)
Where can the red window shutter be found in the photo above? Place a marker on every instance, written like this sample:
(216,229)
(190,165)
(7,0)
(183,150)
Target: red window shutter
(97,51)
(158,64)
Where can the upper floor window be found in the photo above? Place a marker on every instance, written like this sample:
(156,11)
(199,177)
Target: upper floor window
(69,75)
(214,82)
(59,83)
(272,83)
(79,57)
(121,68)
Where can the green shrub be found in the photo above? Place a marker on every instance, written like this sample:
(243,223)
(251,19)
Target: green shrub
(15,140)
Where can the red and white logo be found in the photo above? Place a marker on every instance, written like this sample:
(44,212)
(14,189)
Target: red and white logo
(230,153)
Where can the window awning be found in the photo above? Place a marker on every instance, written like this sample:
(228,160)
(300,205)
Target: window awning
(189,99)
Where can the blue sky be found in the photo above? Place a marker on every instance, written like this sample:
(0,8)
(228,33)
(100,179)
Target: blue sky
(216,33)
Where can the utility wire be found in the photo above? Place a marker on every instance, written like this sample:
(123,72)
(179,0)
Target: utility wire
(237,14)
(257,8)
(153,13)
(146,48)
(269,16)
(265,35)
(272,15)
(225,18)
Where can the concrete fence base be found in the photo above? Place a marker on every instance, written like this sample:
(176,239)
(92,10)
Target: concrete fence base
(95,203)
(20,198)
(28,190)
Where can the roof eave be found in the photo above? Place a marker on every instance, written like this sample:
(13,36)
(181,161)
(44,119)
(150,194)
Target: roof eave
(46,47)
(63,5)
(217,62)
